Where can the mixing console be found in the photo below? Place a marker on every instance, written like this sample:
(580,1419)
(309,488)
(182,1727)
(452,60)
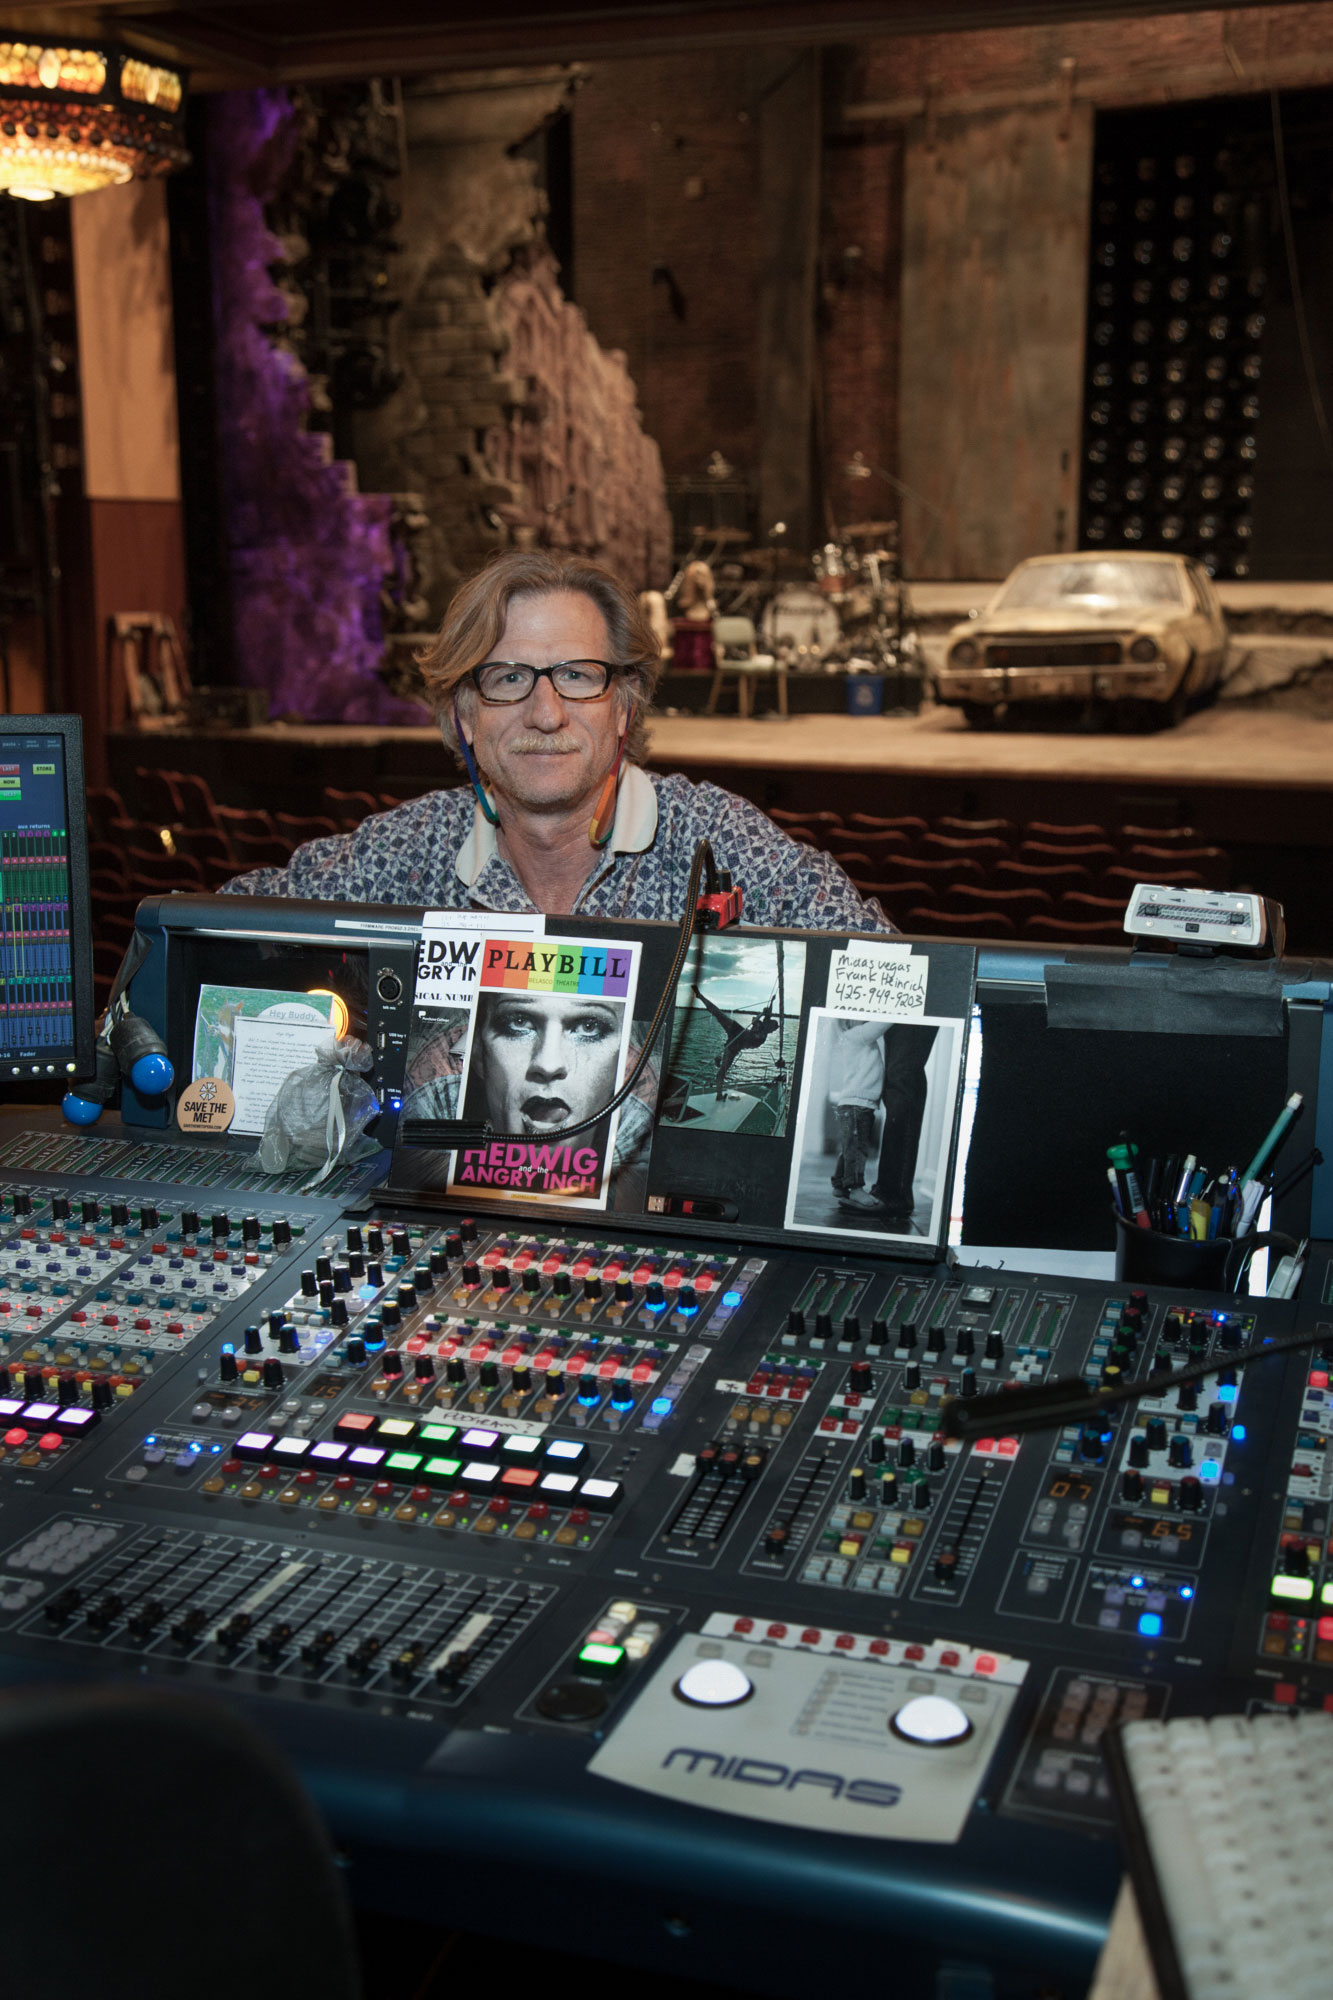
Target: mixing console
(652,1558)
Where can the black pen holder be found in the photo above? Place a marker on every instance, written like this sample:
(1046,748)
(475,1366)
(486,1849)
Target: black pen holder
(1218,1264)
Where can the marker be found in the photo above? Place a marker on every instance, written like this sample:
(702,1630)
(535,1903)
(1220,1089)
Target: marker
(1122,1158)
(1186,1176)
(1275,1136)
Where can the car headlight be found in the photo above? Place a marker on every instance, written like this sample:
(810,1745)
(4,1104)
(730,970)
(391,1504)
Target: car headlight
(1143,649)
(964,654)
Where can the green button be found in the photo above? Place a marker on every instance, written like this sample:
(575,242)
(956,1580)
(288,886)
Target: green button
(441,1471)
(438,1433)
(602,1660)
(402,1464)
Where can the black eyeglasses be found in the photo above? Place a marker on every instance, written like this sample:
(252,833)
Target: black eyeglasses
(503,681)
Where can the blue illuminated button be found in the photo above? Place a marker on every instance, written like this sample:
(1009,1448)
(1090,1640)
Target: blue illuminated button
(1150,1625)
(731,1300)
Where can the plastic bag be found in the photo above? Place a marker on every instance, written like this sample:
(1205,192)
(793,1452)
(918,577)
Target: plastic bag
(319,1116)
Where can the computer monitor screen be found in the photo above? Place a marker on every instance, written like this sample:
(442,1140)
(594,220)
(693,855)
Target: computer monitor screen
(46,959)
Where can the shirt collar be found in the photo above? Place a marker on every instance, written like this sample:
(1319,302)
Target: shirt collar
(633,830)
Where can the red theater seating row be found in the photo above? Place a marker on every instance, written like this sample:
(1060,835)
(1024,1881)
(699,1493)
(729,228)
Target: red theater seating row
(990,878)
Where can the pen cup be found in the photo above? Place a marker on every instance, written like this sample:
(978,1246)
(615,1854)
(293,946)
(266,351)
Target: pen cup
(1146,1257)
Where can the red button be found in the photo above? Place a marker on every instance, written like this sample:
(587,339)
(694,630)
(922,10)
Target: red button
(879,1647)
(811,1636)
(914,1652)
(949,1658)
(743,1625)
(306,1477)
(15,1438)
(421,1494)
(382,1488)
(497,1506)
(1286,1693)
(844,1641)
(776,1632)
(50,1441)
(578,1517)
(1324,1629)
(343,1483)
(459,1497)
(539,1511)
(231,1466)
(986,1663)
(269,1471)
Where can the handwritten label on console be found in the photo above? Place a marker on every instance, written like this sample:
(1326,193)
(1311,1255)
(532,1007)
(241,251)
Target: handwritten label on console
(885,979)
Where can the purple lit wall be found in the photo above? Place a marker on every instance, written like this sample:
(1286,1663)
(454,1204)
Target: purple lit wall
(308,554)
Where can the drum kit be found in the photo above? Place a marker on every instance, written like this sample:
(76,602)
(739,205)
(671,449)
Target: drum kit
(844,609)
(854,615)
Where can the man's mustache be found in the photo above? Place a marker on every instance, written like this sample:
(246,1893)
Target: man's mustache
(535,743)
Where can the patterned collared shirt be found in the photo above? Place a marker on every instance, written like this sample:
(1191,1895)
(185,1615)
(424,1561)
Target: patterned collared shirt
(439,851)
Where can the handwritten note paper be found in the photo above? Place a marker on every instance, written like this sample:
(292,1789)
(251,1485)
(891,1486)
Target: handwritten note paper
(266,1054)
(881,979)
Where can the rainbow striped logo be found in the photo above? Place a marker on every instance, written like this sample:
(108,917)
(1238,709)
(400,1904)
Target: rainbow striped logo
(535,965)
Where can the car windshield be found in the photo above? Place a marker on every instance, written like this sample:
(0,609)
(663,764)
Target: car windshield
(1091,586)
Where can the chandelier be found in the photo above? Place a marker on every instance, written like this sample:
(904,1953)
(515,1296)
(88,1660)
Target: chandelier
(76,119)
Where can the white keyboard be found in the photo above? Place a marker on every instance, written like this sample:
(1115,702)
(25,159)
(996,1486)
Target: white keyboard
(1237,1822)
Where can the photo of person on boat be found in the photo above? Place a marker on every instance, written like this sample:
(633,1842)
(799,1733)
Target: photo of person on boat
(733,1036)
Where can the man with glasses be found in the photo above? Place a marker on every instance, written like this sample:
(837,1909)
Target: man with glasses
(540,680)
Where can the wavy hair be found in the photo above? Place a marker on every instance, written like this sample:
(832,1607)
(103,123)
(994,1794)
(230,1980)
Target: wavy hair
(476,618)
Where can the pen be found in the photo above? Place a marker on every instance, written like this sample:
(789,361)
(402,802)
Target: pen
(1114,1179)
(1122,1158)
(1275,1137)
(1186,1176)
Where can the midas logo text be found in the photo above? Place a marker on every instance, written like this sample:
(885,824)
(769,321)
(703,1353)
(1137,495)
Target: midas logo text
(780,1777)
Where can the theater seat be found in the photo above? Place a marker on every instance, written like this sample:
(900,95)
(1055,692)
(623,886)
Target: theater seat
(1114,879)
(906,823)
(1049,876)
(975,829)
(1212,865)
(1159,836)
(1016,903)
(1093,854)
(945,923)
(1061,930)
(1054,833)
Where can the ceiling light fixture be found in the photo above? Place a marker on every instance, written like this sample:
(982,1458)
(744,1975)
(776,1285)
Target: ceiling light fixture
(76,119)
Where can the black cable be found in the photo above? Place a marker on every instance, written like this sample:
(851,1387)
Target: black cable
(1069,1400)
(446,1134)
(1294,277)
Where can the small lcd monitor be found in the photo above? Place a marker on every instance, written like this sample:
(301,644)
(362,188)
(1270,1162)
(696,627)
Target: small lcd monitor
(46,950)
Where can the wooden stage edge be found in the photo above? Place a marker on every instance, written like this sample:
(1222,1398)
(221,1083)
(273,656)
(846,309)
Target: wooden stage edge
(1258,782)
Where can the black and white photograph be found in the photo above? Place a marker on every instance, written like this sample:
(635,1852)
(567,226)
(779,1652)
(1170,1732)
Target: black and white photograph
(734,1034)
(874,1121)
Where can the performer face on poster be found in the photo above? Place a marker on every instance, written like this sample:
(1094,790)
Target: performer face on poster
(546,1060)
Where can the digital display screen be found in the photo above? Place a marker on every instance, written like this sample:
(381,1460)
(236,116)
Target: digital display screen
(45,914)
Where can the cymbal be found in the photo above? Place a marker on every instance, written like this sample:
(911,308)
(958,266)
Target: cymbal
(869,531)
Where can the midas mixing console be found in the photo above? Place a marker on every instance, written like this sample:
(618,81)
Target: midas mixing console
(643,1570)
